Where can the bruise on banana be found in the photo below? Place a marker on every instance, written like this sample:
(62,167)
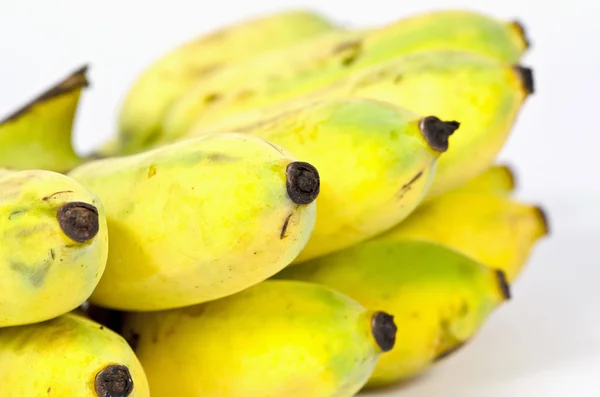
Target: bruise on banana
(408,185)
(74,81)
(349,51)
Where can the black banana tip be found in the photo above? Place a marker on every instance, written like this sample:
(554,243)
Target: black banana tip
(503,284)
(522,31)
(384,330)
(527,78)
(437,132)
(303,182)
(79,221)
(113,381)
(543,214)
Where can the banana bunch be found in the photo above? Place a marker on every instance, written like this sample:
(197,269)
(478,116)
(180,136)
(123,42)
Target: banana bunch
(289,207)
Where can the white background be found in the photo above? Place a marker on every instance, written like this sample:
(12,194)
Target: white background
(546,341)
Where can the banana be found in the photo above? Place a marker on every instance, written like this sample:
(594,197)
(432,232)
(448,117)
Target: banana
(161,82)
(53,245)
(497,179)
(68,356)
(438,298)
(484,94)
(277,338)
(39,134)
(199,220)
(494,230)
(283,76)
(376,162)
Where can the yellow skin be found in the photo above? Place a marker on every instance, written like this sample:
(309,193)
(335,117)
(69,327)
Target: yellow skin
(278,338)
(485,95)
(374,164)
(438,297)
(39,134)
(494,230)
(170,75)
(286,78)
(195,221)
(43,271)
(61,358)
(496,179)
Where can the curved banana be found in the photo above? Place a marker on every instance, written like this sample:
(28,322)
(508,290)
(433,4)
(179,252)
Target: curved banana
(278,338)
(375,160)
(39,134)
(497,178)
(53,245)
(199,220)
(284,76)
(485,95)
(68,356)
(494,230)
(438,298)
(162,81)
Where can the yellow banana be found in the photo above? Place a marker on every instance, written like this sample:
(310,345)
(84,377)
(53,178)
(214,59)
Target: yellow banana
(53,245)
(286,77)
(497,178)
(160,83)
(485,95)
(494,230)
(438,298)
(39,134)
(68,356)
(277,338)
(199,220)
(375,160)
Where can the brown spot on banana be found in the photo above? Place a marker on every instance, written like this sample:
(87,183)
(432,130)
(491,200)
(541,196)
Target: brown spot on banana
(285,226)
(56,194)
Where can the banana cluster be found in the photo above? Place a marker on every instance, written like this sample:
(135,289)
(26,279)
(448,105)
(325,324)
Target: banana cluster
(289,208)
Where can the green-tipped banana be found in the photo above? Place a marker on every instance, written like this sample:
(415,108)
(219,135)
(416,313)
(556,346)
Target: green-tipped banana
(39,134)
(199,220)
(439,298)
(53,245)
(234,90)
(66,357)
(494,230)
(496,179)
(195,61)
(278,338)
(376,161)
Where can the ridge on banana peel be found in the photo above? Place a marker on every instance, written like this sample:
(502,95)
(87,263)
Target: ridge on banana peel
(375,161)
(54,245)
(439,298)
(38,135)
(495,230)
(277,338)
(434,31)
(199,220)
(485,95)
(496,179)
(197,60)
(68,356)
